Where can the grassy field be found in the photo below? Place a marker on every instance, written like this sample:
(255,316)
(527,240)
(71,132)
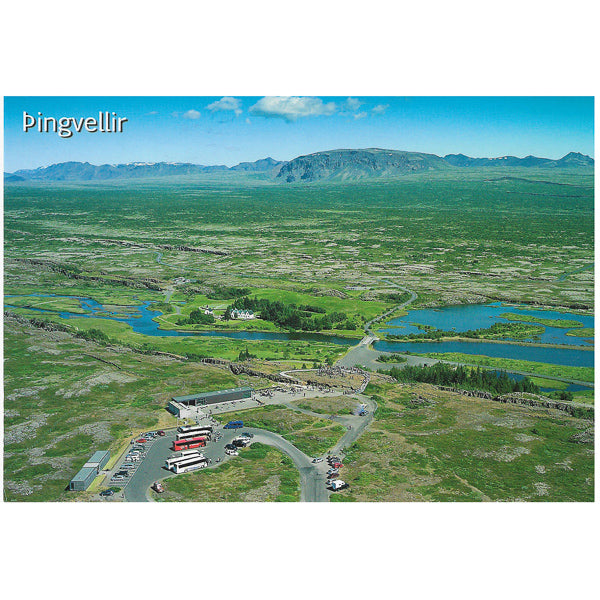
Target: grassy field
(583,332)
(514,238)
(340,405)
(514,364)
(221,347)
(561,323)
(454,448)
(259,474)
(452,237)
(311,435)
(65,398)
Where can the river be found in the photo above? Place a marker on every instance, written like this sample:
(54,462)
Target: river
(459,318)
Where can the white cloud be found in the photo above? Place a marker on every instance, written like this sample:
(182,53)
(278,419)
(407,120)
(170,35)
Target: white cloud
(226,103)
(380,109)
(360,115)
(353,104)
(191,114)
(248,121)
(291,108)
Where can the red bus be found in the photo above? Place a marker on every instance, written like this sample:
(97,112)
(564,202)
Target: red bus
(188,444)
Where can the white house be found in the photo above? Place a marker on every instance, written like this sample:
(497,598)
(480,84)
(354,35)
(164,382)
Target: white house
(245,315)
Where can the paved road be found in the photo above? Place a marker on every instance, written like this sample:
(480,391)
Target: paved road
(361,354)
(151,468)
(312,476)
(412,298)
(312,479)
(367,357)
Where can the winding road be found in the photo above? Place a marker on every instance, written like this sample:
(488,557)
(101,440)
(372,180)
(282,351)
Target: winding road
(362,354)
(313,476)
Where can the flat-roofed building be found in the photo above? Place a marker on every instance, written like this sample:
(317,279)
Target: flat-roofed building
(89,471)
(179,404)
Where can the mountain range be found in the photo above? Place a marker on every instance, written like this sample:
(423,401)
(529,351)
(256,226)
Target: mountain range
(331,165)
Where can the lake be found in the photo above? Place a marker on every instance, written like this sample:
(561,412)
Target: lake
(477,316)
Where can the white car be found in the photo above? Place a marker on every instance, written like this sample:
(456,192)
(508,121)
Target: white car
(317,460)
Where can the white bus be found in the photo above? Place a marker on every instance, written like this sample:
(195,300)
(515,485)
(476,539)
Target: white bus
(184,455)
(194,428)
(189,434)
(190,463)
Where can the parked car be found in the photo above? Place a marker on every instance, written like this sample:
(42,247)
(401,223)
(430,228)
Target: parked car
(160,432)
(107,493)
(141,441)
(317,460)
(247,435)
(338,484)
(157,487)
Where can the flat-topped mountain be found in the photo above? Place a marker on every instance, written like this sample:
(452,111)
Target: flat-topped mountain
(353,165)
(331,165)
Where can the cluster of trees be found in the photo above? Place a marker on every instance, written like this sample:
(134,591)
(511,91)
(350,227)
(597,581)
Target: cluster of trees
(464,378)
(398,297)
(94,335)
(290,316)
(392,358)
(497,330)
(197,316)
(245,355)
(563,395)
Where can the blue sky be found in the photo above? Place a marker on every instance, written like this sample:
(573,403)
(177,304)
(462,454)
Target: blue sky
(228,130)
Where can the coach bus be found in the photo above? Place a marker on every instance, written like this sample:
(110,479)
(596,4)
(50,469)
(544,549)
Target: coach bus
(184,456)
(189,443)
(205,431)
(189,464)
(194,428)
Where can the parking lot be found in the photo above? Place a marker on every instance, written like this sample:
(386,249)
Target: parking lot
(127,465)
(143,462)
(151,467)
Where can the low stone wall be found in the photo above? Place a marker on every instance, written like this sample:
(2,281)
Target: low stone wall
(517,398)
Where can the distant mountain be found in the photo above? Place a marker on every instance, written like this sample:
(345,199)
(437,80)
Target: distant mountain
(354,165)
(573,159)
(78,171)
(8,178)
(331,165)
(265,164)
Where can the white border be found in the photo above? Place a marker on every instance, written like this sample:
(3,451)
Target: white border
(307,48)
